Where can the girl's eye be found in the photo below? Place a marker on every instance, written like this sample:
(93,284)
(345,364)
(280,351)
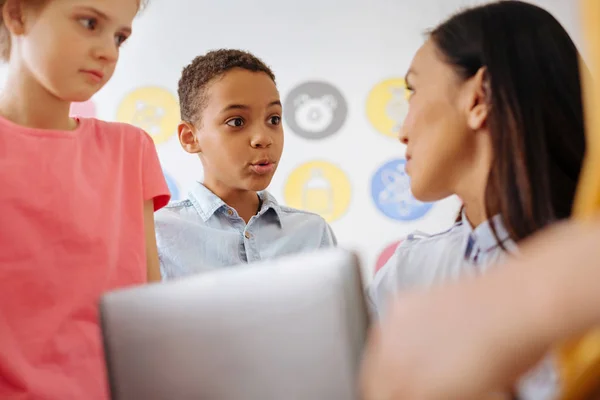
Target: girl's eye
(89,23)
(235,122)
(120,39)
(275,120)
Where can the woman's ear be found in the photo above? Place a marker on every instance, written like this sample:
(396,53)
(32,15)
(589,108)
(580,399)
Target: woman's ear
(479,99)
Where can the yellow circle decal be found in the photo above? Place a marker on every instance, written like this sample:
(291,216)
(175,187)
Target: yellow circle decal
(387,106)
(153,109)
(319,187)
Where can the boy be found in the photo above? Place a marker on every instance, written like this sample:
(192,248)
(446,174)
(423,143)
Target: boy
(231,117)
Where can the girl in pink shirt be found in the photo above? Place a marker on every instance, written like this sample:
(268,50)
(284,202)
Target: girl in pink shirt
(77,196)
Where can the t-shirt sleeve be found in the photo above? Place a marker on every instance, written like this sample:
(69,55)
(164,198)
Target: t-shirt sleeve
(153,180)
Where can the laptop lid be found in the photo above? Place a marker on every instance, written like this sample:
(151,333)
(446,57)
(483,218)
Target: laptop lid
(291,328)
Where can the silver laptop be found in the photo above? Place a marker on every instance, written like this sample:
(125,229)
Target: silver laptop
(286,329)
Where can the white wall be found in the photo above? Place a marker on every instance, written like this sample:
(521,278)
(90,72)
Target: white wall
(352,45)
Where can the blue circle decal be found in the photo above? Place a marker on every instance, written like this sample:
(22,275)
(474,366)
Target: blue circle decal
(173,188)
(390,189)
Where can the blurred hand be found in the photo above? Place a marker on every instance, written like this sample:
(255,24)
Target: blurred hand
(443,345)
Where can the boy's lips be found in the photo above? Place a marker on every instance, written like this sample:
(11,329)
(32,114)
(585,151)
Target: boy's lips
(262,167)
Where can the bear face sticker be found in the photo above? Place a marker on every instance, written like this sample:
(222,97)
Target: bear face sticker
(315,110)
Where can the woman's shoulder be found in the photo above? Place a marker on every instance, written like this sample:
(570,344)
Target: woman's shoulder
(418,241)
(419,260)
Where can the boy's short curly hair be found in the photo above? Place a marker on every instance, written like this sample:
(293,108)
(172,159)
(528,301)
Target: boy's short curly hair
(5,35)
(196,77)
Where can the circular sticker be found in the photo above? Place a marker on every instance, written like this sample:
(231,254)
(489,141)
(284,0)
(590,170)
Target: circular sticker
(85,109)
(386,254)
(387,106)
(390,189)
(315,110)
(173,187)
(153,109)
(319,187)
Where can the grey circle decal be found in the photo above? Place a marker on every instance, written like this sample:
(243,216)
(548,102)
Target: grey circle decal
(315,110)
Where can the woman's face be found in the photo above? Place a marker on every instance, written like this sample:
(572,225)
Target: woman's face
(445,113)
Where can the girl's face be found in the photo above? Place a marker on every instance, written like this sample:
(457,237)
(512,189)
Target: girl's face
(442,129)
(70,47)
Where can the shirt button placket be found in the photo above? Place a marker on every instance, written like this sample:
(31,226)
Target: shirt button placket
(251,252)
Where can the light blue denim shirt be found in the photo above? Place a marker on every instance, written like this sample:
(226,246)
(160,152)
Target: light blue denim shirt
(424,260)
(202,232)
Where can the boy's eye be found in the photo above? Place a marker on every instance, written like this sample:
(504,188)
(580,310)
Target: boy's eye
(275,120)
(235,122)
(89,23)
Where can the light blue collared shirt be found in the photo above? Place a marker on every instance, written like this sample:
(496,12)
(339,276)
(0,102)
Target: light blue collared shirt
(424,260)
(202,232)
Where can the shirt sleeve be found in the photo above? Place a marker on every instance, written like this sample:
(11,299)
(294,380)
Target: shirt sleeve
(153,179)
(391,279)
(382,286)
(328,238)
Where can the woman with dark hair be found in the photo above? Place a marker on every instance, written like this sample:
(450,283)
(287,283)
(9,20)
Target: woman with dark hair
(495,118)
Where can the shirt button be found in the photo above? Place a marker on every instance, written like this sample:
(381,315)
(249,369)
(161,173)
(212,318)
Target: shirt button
(229,212)
(247,235)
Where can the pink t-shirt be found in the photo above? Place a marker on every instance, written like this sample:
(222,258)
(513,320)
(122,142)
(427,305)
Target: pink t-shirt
(71,228)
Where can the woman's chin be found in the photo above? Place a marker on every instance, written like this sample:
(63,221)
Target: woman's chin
(424,194)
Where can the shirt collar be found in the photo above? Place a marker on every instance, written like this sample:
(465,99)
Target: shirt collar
(207,203)
(483,234)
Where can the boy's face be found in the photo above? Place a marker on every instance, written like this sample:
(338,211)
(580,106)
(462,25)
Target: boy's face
(71,47)
(239,135)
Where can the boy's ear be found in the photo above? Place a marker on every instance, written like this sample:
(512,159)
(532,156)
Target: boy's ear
(187,137)
(13,17)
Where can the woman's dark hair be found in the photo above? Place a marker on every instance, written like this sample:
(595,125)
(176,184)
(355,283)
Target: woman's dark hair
(536,115)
